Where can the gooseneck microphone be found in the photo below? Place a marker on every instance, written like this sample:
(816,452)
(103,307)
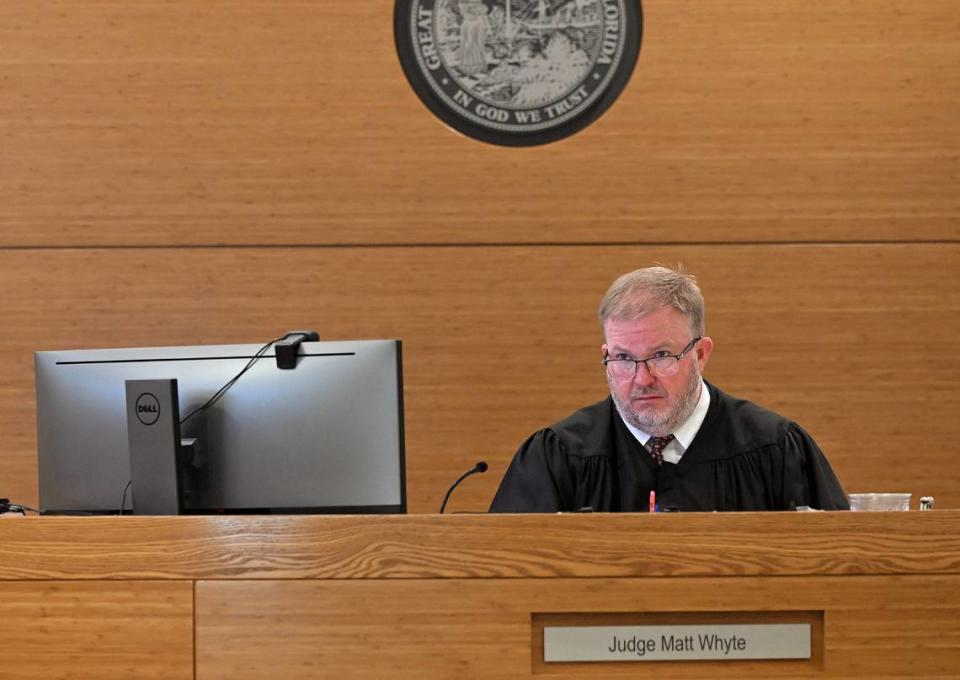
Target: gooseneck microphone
(479,467)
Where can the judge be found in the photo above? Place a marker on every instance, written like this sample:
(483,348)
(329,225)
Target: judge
(664,428)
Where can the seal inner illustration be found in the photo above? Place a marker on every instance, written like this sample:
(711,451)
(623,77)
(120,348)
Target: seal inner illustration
(518,65)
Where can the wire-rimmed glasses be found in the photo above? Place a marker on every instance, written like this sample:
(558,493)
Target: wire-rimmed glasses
(660,364)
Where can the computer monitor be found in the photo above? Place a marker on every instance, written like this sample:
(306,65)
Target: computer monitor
(324,437)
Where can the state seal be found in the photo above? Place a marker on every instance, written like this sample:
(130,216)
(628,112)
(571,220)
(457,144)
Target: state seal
(518,72)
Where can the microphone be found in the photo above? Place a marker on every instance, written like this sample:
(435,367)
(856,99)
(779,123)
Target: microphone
(479,467)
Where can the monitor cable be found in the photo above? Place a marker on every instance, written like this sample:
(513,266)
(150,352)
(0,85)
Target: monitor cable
(123,498)
(219,393)
(288,346)
(7,507)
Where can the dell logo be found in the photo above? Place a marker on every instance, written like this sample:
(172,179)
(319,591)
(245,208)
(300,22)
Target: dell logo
(148,409)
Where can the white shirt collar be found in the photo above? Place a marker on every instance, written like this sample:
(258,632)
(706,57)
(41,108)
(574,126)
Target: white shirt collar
(683,435)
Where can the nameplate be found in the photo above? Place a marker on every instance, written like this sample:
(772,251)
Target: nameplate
(713,642)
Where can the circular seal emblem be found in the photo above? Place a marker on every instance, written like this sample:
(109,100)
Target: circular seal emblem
(148,409)
(518,72)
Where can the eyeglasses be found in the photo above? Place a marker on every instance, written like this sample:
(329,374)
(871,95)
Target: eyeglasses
(660,365)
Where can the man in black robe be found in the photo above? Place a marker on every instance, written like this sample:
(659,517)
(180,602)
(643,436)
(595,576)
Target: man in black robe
(664,429)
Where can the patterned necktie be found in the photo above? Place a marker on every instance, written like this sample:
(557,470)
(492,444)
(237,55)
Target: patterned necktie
(657,445)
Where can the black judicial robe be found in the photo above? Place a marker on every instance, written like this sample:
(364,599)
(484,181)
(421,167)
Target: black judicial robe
(743,458)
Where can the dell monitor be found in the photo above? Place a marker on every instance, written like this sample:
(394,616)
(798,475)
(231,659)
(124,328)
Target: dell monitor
(325,436)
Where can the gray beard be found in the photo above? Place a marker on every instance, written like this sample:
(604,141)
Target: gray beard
(666,422)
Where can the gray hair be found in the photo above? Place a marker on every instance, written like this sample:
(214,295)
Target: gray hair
(641,292)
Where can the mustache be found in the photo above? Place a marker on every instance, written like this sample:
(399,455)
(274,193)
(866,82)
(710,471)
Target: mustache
(647,392)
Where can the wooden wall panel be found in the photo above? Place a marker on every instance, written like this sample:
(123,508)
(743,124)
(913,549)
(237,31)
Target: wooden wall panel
(482,629)
(247,122)
(253,122)
(855,343)
(99,630)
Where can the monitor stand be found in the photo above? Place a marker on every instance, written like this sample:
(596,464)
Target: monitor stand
(153,429)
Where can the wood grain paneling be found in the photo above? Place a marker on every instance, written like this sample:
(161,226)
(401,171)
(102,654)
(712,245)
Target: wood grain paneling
(855,343)
(482,546)
(876,627)
(68,630)
(253,122)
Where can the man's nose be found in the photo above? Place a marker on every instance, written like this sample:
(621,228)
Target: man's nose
(643,376)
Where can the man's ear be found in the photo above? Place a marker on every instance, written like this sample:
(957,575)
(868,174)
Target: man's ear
(704,349)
